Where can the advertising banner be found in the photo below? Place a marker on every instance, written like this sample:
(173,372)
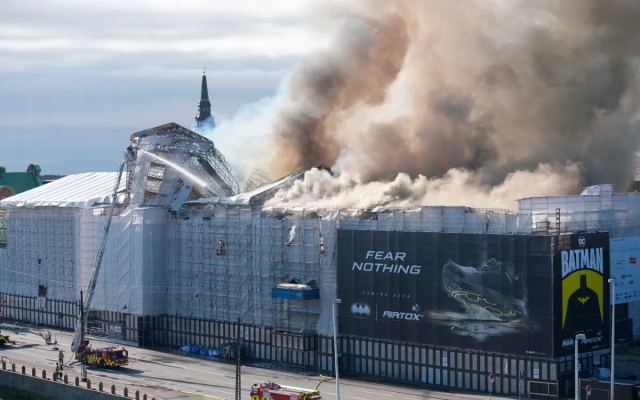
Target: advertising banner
(581,269)
(482,292)
(625,268)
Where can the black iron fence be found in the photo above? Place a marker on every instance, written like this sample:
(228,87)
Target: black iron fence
(365,357)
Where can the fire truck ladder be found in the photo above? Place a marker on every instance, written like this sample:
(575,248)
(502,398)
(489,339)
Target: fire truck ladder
(78,335)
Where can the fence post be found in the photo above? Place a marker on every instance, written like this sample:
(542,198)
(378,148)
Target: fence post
(13,367)
(88,383)
(126,392)
(77,381)
(44,374)
(24,370)
(137,395)
(100,386)
(33,371)
(55,376)
(113,389)
(66,378)
(4,364)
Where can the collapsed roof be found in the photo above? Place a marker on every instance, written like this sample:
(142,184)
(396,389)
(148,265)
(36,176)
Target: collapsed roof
(174,164)
(262,194)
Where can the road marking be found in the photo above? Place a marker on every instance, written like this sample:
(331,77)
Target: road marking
(202,395)
(359,398)
(378,394)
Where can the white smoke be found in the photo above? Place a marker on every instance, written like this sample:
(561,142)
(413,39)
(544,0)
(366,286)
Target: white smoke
(292,235)
(244,139)
(457,187)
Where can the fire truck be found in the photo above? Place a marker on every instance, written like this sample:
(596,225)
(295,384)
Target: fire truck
(111,357)
(271,390)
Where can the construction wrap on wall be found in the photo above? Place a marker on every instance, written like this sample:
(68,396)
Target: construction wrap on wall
(223,263)
(41,254)
(625,268)
(581,292)
(132,279)
(483,292)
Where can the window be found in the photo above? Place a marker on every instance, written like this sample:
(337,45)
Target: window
(42,291)
(222,248)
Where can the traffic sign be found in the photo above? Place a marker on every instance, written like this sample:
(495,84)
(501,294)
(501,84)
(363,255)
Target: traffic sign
(492,377)
(521,374)
(588,390)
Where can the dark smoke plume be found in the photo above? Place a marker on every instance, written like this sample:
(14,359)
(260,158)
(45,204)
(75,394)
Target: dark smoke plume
(473,93)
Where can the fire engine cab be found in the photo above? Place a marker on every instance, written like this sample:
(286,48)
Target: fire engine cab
(111,357)
(271,390)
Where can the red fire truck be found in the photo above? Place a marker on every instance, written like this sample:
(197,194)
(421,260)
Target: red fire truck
(271,390)
(110,357)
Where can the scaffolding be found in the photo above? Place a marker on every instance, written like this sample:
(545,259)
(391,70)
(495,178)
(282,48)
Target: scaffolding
(40,258)
(596,209)
(200,155)
(220,262)
(3,228)
(257,179)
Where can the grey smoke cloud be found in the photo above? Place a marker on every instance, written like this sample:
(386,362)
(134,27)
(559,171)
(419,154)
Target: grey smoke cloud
(465,96)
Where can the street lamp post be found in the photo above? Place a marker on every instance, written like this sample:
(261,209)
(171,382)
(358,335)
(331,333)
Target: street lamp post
(612,282)
(335,345)
(579,337)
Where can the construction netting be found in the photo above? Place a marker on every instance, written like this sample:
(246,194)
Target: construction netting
(222,262)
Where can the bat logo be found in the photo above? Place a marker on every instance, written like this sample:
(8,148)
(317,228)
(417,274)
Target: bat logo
(361,310)
(567,343)
(583,300)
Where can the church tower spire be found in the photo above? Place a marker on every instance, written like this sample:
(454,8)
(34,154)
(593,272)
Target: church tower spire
(204,107)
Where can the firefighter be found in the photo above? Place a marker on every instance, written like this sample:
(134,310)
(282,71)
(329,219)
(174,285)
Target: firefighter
(60,371)
(61,357)
(57,373)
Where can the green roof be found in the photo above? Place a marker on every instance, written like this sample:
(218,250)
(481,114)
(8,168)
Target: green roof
(20,181)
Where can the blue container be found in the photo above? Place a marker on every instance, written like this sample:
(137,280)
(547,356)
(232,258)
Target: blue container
(295,294)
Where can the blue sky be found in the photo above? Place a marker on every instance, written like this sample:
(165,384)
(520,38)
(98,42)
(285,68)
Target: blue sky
(78,77)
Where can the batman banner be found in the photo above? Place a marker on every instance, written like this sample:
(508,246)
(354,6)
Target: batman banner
(472,291)
(582,297)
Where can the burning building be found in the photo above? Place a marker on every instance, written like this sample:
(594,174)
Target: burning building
(441,296)
(187,257)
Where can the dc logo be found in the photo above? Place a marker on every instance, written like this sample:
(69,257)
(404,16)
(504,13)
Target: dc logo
(582,241)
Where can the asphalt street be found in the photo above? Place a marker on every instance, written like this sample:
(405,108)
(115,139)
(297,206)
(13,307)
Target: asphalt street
(175,376)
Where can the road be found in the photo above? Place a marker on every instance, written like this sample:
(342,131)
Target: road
(175,376)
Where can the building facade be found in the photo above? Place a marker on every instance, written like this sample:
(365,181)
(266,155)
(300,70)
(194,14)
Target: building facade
(441,296)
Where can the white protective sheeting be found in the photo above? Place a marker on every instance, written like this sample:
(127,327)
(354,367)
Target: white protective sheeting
(226,260)
(132,278)
(625,256)
(79,190)
(596,210)
(245,198)
(41,251)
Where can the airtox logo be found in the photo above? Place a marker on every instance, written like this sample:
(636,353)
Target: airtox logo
(582,241)
(360,310)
